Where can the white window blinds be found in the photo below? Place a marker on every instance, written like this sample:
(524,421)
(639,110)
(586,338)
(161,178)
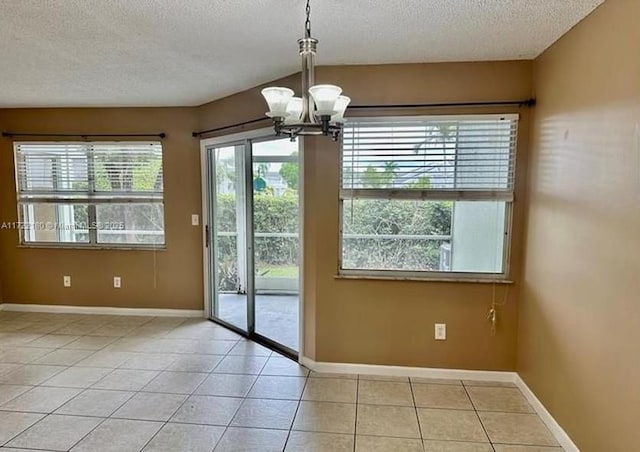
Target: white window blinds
(452,157)
(89,172)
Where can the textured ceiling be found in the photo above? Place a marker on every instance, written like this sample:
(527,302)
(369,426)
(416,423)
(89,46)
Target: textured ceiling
(187,52)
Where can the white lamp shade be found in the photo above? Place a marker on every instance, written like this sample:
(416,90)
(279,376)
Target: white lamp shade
(340,107)
(294,110)
(325,97)
(277,98)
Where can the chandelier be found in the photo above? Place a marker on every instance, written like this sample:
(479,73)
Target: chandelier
(320,110)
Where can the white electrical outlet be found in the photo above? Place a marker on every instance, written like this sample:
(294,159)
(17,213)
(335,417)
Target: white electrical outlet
(195,220)
(66,281)
(117,282)
(441,331)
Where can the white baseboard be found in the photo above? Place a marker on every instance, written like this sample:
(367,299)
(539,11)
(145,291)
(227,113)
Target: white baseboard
(401,371)
(64,309)
(345,368)
(558,432)
(454,374)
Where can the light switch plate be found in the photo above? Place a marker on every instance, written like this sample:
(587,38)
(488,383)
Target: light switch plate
(117,282)
(441,331)
(195,220)
(66,281)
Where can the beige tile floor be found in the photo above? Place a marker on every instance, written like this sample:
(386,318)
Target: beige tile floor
(111,383)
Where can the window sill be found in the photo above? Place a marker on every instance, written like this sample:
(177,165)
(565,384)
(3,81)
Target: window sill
(93,247)
(425,279)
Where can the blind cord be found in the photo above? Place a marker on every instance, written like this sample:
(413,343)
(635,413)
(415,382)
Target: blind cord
(155,267)
(493,313)
(492,316)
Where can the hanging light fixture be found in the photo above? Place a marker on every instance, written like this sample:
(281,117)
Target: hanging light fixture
(320,110)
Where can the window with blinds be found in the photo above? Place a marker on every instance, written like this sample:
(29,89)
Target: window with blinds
(106,194)
(427,194)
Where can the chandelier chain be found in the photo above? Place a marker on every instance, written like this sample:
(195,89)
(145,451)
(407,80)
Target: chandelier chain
(307,23)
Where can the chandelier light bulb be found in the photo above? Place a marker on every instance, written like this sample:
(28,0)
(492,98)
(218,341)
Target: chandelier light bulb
(325,97)
(294,110)
(277,98)
(340,107)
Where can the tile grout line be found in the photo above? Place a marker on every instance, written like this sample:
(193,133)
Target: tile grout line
(88,433)
(104,419)
(201,383)
(47,415)
(355,426)
(415,407)
(165,334)
(188,396)
(269,357)
(475,410)
(267,428)
(164,423)
(112,370)
(295,414)
(82,390)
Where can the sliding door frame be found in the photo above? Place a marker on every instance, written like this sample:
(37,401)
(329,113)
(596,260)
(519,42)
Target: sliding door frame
(209,257)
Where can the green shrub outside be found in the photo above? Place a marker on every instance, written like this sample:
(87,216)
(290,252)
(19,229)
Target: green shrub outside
(273,214)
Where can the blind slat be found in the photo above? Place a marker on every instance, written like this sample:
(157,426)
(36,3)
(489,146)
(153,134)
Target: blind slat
(89,170)
(465,154)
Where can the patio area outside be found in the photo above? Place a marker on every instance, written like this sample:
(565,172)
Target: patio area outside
(277,316)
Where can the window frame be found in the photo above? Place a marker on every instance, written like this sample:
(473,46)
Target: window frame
(346,194)
(88,198)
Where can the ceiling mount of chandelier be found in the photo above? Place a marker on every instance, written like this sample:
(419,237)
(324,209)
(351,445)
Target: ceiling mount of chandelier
(320,110)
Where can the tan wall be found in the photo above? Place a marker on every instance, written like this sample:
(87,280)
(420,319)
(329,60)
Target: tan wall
(3,186)
(3,262)
(35,275)
(240,107)
(579,335)
(391,322)
(577,303)
(381,322)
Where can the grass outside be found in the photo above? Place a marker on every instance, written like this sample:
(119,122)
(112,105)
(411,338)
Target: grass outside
(277,271)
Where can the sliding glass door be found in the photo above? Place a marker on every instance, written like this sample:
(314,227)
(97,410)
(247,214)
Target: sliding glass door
(228,235)
(254,244)
(276,239)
